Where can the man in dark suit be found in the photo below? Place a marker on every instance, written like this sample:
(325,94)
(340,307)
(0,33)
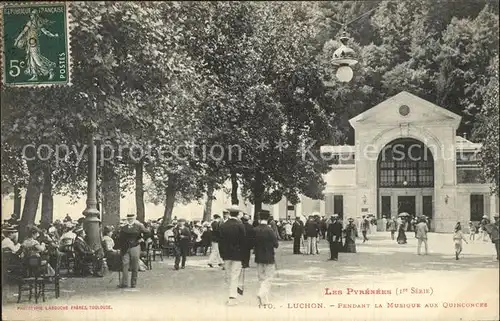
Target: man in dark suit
(297,232)
(231,244)
(182,237)
(130,238)
(311,231)
(265,243)
(214,257)
(334,236)
(85,254)
(249,241)
(323,226)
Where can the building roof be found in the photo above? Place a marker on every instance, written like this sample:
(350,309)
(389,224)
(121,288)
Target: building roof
(464,144)
(420,110)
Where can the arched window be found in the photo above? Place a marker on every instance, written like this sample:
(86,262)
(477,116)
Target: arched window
(405,163)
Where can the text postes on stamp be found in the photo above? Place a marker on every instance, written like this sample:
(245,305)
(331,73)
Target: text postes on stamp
(35,44)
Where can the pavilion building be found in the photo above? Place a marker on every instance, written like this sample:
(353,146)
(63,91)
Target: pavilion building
(407,157)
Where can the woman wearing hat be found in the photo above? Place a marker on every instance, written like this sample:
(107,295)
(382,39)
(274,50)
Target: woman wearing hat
(351,233)
(130,249)
(32,247)
(401,239)
(484,221)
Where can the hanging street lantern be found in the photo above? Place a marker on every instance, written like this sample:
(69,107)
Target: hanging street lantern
(344,58)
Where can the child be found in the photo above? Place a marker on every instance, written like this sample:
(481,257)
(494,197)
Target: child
(472,231)
(458,236)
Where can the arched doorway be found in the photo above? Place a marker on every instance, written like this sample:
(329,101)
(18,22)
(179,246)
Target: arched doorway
(405,179)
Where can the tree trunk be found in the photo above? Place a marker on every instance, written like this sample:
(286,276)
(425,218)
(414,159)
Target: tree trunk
(111,193)
(258,193)
(234,188)
(207,213)
(17,201)
(139,191)
(47,199)
(32,198)
(169,198)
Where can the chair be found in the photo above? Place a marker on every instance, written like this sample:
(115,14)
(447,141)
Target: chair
(169,247)
(53,280)
(31,278)
(146,256)
(115,266)
(156,249)
(83,263)
(68,260)
(11,265)
(190,248)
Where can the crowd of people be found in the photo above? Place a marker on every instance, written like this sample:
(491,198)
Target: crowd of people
(229,240)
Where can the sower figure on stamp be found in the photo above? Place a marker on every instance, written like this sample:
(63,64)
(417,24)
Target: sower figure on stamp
(231,244)
(29,40)
(265,243)
(182,236)
(334,236)
(130,249)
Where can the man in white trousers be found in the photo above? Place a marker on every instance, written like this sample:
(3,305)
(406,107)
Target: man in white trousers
(231,244)
(214,258)
(265,243)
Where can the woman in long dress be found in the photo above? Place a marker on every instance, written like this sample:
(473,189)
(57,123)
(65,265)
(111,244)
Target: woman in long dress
(31,247)
(113,257)
(351,233)
(29,40)
(401,234)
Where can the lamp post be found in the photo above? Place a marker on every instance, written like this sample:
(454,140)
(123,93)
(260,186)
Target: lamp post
(92,221)
(344,58)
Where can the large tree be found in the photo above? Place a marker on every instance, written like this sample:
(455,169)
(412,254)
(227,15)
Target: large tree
(486,128)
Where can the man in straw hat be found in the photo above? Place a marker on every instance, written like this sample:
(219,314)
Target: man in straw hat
(86,253)
(10,240)
(231,244)
(265,243)
(182,237)
(130,249)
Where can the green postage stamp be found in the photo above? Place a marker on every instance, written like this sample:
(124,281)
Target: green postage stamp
(35,44)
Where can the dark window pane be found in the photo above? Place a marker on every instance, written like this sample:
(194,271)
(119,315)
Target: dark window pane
(397,166)
(469,176)
(476,207)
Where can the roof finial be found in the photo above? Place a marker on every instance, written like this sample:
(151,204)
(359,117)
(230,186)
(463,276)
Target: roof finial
(465,135)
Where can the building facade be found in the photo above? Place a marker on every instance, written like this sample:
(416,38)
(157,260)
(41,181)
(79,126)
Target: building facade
(407,157)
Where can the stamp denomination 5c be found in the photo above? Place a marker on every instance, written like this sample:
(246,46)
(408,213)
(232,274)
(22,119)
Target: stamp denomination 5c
(35,44)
